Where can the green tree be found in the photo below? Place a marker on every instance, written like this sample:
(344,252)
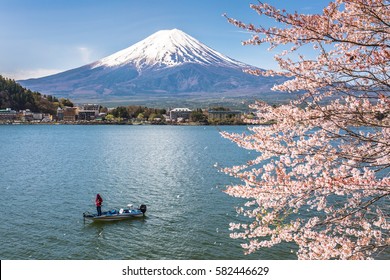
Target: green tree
(141,116)
(109,117)
(120,112)
(13,95)
(198,116)
(152,116)
(65,102)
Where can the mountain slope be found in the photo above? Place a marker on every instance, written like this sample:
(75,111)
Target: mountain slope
(167,63)
(13,95)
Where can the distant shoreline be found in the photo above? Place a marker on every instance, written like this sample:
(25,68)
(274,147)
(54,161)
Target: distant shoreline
(120,123)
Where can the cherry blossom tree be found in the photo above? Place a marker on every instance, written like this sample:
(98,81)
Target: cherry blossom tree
(320,178)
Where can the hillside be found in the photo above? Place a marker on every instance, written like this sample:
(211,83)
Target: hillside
(13,95)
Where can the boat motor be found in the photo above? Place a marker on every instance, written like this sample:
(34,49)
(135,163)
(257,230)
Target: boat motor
(143,208)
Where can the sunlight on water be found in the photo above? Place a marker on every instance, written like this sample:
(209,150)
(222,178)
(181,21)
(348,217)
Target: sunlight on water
(51,174)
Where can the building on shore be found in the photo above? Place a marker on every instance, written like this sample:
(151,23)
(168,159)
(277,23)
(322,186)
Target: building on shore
(68,114)
(26,115)
(214,115)
(8,114)
(88,112)
(180,114)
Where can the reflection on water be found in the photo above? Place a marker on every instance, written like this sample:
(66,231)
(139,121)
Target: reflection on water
(51,174)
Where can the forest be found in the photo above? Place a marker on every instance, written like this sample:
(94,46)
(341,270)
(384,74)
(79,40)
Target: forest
(16,97)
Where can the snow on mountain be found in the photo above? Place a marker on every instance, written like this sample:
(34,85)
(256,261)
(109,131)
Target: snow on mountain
(167,64)
(167,48)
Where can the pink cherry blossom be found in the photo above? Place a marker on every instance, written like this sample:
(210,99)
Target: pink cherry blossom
(320,177)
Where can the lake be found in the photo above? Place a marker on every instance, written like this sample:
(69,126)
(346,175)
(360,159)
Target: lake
(50,175)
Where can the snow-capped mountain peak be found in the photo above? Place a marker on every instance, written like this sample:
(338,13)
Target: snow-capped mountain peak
(167,48)
(167,64)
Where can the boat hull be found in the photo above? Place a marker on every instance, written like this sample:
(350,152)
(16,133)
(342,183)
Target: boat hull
(117,217)
(114,215)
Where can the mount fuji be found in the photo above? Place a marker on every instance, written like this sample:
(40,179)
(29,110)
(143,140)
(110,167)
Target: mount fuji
(169,63)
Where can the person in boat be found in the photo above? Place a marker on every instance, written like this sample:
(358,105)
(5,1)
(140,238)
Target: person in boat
(98,202)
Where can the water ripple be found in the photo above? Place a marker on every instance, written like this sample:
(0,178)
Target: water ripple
(50,175)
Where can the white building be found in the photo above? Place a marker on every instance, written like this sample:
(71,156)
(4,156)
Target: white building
(180,113)
(88,112)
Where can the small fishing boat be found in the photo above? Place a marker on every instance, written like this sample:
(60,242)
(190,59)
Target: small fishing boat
(117,215)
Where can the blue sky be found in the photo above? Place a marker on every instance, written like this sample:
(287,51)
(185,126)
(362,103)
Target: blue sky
(41,37)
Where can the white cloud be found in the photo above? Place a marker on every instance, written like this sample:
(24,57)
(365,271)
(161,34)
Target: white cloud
(85,54)
(30,73)
(75,57)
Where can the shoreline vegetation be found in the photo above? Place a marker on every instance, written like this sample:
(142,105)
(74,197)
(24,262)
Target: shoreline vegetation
(19,105)
(126,123)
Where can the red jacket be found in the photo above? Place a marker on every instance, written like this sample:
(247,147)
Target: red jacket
(99,200)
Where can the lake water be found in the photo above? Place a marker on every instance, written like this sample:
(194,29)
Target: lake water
(50,175)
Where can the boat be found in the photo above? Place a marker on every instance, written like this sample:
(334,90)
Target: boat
(117,215)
